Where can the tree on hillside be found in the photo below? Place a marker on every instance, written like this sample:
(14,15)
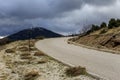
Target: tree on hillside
(92,28)
(85,29)
(103,25)
(118,22)
(95,27)
(112,23)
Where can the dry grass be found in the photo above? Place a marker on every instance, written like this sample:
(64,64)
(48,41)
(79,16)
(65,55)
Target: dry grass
(31,75)
(39,54)
(75,71)
(25,54)
(41,62)
(26,57)
(10,51)
(108,31)
(26,66)
(23,48)
(32,49)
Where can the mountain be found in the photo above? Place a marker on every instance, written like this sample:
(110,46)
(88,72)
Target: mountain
(30,33)
(33,33)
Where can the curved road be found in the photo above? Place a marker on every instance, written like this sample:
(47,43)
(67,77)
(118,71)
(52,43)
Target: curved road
(104,64)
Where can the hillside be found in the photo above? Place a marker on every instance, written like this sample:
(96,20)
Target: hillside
(33,33)
(17,63)
(101,38)
(30,33)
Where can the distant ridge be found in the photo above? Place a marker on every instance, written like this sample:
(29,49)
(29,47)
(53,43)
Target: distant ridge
(30,33)
(33,33)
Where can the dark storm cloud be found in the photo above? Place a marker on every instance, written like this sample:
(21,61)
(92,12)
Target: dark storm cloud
(58,15)
(43,8)
(100,2)
(37,8)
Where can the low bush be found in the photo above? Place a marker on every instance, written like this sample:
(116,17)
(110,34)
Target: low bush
(68,42)
(39,54)
(25,54)
(103,31)
(75,71)
(23,48)
(26,57)
(33,48)
(42,62)
(31,75)
(10,51)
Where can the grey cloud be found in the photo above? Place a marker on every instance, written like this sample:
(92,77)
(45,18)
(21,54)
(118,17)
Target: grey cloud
(38,8)
(28,9)
(100,2)
(62,16)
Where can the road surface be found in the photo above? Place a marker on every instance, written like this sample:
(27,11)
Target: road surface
(104,64)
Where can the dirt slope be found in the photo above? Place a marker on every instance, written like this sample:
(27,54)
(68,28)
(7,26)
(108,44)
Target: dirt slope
(109,40)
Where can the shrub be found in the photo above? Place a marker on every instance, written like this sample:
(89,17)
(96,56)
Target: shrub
(23,48)
(39,54)
(25,54)
(94,28)
(112,23)
(75,71)
(118,22)
(103,31)
(69,42)
(32,48)
(10,51)
(42,62)
(103,25)
(31,75)
(26,57)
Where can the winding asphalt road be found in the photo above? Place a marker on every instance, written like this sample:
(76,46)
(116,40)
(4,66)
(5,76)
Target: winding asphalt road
(104,64)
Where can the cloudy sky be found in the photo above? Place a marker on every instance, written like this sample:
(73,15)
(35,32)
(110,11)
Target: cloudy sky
(63,16)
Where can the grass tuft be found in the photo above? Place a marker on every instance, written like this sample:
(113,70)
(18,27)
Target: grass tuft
(10,51)
(75,71)
(23,48)
(39,54)
(26,56)
(31,75)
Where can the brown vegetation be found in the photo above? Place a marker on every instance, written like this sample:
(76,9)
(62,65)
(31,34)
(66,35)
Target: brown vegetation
(75,71)
(103,36)
(23,48)
(10,51)
(31,75)
(25,54)
(39,54)
(108,41)
(26,57)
